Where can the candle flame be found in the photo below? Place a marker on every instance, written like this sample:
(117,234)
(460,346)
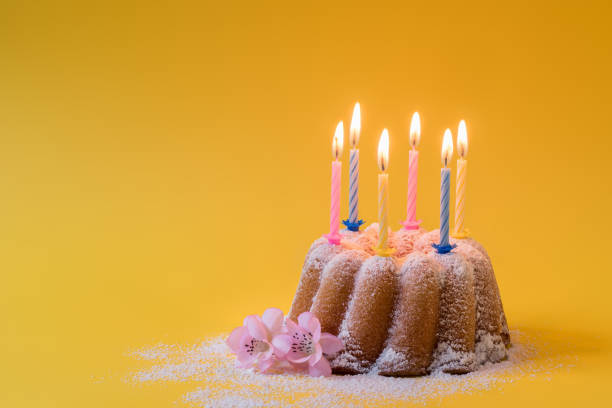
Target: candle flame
(415,130)
(462,141)
(338,141)
(383,150)
(447,147)
(355,130)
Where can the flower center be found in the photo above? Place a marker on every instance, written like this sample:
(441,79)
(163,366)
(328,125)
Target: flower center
(302,342)
(256,346)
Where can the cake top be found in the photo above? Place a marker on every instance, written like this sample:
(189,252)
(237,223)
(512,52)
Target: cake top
(403,241)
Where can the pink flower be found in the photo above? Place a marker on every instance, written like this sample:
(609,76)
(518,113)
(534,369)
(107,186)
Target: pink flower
(252,343)
(304,344)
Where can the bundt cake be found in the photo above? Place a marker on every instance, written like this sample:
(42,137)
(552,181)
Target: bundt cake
(408,314)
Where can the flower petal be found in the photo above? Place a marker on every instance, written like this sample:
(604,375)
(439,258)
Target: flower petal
(246,360)
(234,340)
(316,356)
(304,319)
(297,357)
(296,335)
(273,319)
(330,343)
(282,344)
(292,327)
(321,369)
(265,364)
(310,323)
(256,327)
(269,353)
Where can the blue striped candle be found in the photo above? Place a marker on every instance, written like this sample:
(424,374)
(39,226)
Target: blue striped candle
(444,206)
(447,152)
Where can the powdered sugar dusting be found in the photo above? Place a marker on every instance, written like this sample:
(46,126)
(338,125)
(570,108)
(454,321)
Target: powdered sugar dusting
(224,385)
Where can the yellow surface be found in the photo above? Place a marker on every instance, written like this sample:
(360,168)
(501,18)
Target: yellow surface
(164,168)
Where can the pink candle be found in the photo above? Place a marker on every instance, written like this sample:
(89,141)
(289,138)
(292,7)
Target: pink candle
(411,222)
(334,236)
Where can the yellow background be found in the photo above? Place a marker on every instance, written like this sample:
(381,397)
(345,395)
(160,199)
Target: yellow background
(164,168)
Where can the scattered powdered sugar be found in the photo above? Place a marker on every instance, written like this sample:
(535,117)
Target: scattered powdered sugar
(489,347)
(210,366)
(159,351)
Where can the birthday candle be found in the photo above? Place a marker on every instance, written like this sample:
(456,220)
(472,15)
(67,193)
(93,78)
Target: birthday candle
(334,214)
(447,152)
(462,145)
(411,222)
(353,221)
(383,195)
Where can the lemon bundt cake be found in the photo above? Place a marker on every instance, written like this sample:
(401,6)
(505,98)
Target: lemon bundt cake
(412,313)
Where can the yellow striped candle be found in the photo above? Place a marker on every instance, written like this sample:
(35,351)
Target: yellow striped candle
(382,249)
(462,147)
